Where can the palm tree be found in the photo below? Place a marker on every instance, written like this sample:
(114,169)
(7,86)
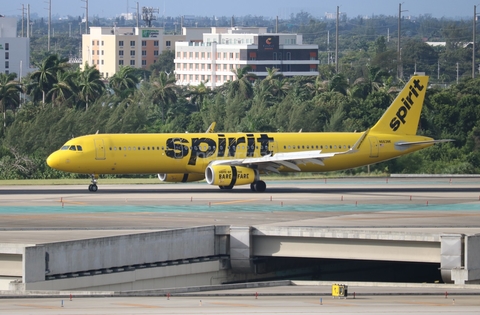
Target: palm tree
(165,91)
(124,82)
(272,75)
(198,93)
(46,74)
(90,85)
(242,84)
(64,89)
(10,90)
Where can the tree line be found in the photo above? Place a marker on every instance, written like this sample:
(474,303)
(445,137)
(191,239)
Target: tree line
(57,102)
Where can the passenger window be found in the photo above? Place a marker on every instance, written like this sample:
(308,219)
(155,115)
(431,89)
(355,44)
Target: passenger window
(125,148)
(114,148)
(120,148)
(79,148)
(72,148)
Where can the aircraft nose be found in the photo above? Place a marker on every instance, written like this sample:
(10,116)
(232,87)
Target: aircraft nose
(53,160)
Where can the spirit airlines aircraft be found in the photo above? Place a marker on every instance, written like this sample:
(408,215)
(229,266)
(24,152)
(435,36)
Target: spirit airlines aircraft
(231,159)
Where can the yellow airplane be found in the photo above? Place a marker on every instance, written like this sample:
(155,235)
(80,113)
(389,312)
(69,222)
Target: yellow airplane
(231,159)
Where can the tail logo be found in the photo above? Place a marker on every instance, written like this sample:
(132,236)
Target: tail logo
(408,103)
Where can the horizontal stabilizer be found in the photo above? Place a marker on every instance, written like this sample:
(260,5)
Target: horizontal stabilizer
(423,142)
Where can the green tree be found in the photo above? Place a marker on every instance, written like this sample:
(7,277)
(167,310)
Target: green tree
(10,90)
(242,85)
(90,85)
(165,91)
(124,82)
(45,76)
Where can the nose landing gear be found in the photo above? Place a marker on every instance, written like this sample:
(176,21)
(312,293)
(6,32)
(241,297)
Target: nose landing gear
(93,186)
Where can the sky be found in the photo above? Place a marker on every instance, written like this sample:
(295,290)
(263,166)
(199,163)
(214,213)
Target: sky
(266,8)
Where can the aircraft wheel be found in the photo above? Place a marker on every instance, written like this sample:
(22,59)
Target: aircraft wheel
(92,187)
(221,187)
(260,186)
(252,187)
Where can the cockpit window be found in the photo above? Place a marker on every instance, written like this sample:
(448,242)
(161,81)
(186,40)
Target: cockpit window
(72,148)
(79,148)
(65,147)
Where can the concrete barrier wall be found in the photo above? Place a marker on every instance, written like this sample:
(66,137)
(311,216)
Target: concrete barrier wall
(202,273)
(117,251)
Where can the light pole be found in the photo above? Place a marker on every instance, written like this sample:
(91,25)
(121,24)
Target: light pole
(474,68)
(399,52)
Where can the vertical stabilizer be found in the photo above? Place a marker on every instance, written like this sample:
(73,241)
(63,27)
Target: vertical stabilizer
(403,115)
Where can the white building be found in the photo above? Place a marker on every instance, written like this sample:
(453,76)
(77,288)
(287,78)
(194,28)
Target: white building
(14,51)
(224,49)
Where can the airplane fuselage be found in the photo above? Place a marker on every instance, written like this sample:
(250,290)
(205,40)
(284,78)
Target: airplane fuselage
(191,153)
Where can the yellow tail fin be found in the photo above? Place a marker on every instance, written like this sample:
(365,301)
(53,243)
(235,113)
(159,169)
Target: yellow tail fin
(403,115)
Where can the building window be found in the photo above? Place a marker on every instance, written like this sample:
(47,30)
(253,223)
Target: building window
(203,66)
(313,55)
(120,52)
(155,52)
(120,43)
(224,55)
(132,52)
(93,43)
(179,54)
(102,52)
(98,52)
(168,43)
(93,52)
(252,55)
(231,55)
(184,54)
(203,55)
(155,43)
(7,46)
(144,43)
(98,43)
(102,42)
(7,64)
(190,55)
(144,52)
(7,55)
(102,61)
(196,55)
(132,62)
(120,62)
(196,66)
(132,43)
(208,55)
(144,62)
(289,56)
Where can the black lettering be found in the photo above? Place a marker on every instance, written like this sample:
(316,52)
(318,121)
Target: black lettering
(250,145)
(222,143)
(405,103)
(416,84)
(201,151)
(264,141)
(402,113)
(175,148)
(395,124)
(414,92)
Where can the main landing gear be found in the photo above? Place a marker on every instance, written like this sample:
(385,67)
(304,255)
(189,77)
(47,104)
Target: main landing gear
(258,186)
(93,186)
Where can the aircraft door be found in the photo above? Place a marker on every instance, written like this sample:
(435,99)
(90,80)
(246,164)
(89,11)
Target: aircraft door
(374,147)
(99,149)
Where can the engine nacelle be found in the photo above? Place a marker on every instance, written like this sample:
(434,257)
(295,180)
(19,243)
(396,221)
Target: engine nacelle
(180,178)
(227,175)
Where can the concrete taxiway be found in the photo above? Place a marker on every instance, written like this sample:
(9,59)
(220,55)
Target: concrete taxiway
(37,214)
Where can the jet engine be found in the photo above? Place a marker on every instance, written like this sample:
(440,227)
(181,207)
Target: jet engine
(229,176)
(180,178)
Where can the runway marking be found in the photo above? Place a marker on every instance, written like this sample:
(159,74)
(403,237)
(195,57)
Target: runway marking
(73,202)
(234,201)
(231,304)
(138,305)
(40,306)
(412,215)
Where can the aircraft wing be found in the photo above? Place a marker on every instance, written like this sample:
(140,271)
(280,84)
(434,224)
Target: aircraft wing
(291,160)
